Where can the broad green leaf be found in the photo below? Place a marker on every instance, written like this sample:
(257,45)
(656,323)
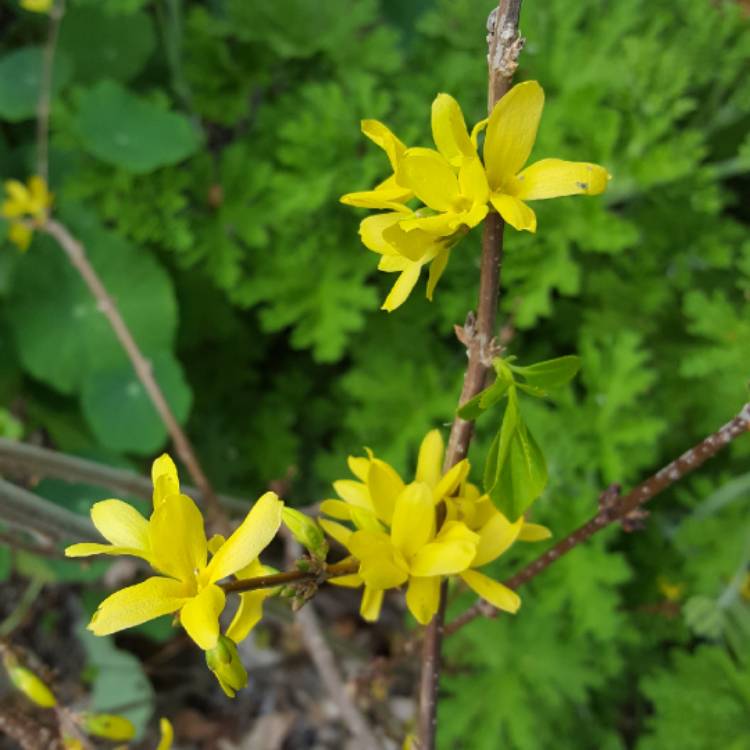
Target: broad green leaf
(120,412)
(132,133)
(60,334)
(522,477)
(20,76)
(123,43)
(498,452)
(551,373)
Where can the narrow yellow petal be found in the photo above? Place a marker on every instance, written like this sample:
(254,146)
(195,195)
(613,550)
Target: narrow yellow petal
(449,130)
(120,524)
(359,466)
(430,460)
(336,531)
(20,235)
(511,132)
(337,509)
(473,181)
(423,598)
(86,549)
(253,535)
(379,199)
(413,523)
(533,532)
(248,615)
(477,129)
(495,537)
(200,616)
(442,558)
(439,225)
(177,538)
(167,735)
(382,573)
(354,493)
(553,178)
(371,232)
(385,486)
(403,287)
(384,137)
(372,601)
(431,177)
(514,211)
(353,581)
(449,483)
(165,479)
(497,594)
(137,604)
(437,268)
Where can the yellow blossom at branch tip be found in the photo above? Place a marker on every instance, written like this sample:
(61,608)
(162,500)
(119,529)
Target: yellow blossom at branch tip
(173,542)
(38,6)
(22,204)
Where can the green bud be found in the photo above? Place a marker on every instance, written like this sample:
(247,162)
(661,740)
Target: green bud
(28,683)
(108,726)
(224,662)
(306,532)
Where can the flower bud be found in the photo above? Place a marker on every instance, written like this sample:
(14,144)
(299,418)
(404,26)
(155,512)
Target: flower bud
(224,662)
(167,734)
(108,726)
(306,532)
(28,683)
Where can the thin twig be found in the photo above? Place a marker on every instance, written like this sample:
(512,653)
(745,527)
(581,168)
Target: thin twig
(505,44)
(45,90)
(614,508)
(343,568)
(36,461)
(142,367)
(322,657)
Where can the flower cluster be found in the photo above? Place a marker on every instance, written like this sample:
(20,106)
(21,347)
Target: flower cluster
(173,542)
(457,188)
(25,204)
(395,535)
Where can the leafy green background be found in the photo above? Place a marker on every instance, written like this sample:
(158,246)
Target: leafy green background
(199,150)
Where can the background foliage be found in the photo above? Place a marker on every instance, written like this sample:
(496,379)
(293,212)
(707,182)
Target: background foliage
(199,149)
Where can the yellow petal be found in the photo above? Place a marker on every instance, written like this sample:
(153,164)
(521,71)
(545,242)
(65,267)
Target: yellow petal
(477,129)
(353,581)
(449,130)
(337,509)
(448,484)
(474,215)
(336,531)
(473,181)
(85,549)
(514,211)
(401,290)
(359,466)
(511,132)
(440,225)
(382,573)
(372,601)
(413,523)
(167,735)
(248,615)
(431,178)
(437,267)
(366,519)
(385,486)
(20,235)
(497,594)
(137,604)
(18,194)
(253,535)
(442,558)
(371,232)
(553,178)
(120,524)
(416,244)
(495,537)
(383,136)
(200,616)
(378,199)
(41,198)
(533,532)
(354,493)
(177,539)
(423,598)
(215,542)
(430,460)
(165,479)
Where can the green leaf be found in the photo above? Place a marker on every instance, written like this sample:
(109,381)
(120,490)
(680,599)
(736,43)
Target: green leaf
(132,133)
(474,407)
(501,443)
(120,412)
(61,335)
(552,373)
(20,77)
(123,43)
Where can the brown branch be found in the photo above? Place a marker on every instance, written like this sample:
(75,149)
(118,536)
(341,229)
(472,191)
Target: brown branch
(325,663)
(289,577)
(615,508)
(142,367)
(45,90)
(504,44)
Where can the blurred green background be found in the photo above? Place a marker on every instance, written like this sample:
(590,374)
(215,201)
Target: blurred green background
(199,150)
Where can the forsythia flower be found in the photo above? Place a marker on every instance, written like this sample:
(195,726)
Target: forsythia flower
(173,542)
(30,202)
(457,189)
(395,538)
(37,6)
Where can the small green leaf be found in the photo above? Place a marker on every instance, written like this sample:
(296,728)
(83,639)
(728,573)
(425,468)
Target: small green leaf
(471,410)
(551,373)
(533,390)
(474,407)
(498,452)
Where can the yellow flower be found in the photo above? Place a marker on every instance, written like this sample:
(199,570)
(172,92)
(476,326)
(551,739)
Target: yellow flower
(167,735)
(108,726)
(173,541)
(37,6)
(25,202)
(511,132)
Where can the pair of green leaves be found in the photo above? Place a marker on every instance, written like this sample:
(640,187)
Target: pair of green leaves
(515,473)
